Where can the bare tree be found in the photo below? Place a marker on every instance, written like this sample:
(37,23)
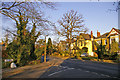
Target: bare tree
(7,6)
(29,10)
(71,25)
(117,4)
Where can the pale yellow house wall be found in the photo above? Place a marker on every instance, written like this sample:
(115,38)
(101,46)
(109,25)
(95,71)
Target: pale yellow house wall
(115,37)
(103,40)
(89,46)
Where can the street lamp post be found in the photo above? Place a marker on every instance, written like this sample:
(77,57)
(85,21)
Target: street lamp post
(45,50)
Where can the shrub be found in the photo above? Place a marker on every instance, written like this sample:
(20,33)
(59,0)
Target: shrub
(78,54)
(5,64)
(106,57)
(61,52)
(66,53)
(38,53)
(34,62)
(85,49)
(114,56)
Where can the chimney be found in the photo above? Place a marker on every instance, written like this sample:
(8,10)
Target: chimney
(98,33)
(91,34)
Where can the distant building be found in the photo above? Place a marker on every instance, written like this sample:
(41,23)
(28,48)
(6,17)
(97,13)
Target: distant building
(86,40)
(108,37)
(63,45)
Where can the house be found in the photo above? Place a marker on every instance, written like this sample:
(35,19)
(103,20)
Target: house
(84,40)
(108,37)
(87,40)
(62,45)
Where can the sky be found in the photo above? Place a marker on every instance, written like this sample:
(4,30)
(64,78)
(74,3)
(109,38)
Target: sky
(96,15)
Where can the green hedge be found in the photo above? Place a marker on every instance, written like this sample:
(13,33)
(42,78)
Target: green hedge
(5,64)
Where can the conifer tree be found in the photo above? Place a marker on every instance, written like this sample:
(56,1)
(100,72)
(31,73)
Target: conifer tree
(49,47)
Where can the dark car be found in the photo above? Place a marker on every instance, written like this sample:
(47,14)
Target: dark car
(84,54)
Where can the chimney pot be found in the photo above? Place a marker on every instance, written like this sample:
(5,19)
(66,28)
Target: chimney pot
(98,33)
(91,34)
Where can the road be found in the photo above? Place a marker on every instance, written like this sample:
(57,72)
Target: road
(65,68)
(73,68)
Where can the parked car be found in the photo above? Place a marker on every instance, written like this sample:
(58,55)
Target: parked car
(84,54)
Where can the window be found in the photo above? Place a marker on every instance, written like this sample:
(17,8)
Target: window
(81,43)
(76,43)
(105,42)
(99,42)
(117,39)
(112,40)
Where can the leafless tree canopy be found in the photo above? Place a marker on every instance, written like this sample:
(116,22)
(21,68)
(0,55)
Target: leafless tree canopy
(71,25)
(29,10)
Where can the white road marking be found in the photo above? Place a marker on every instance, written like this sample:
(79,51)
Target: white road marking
(60,66)
(114,77)
(71,68)
(102,74)
(94,73)
(77,69)
(61,70)
(64,66)
(87,71)
(105,75)
(57,72)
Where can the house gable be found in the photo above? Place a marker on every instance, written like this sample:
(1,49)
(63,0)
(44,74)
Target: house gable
(113,32)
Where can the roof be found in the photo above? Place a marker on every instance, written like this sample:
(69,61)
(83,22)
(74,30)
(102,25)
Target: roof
(113,34)
(86,36)
(118,30)
(104,35)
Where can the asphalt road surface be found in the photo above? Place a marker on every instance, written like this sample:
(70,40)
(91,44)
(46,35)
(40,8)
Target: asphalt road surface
(64,68)
(73,68)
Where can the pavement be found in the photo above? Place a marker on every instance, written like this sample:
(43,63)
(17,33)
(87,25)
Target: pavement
(30,71)
(65,68)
